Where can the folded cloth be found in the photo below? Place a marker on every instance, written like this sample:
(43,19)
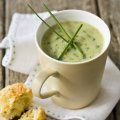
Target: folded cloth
(21,56)
(21,53)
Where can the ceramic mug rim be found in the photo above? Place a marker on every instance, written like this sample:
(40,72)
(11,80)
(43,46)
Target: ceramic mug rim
(73,63)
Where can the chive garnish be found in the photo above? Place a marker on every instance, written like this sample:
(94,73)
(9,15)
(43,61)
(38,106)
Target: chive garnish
(64,31)
(84,56)
(71,39)
(46,23)
(57,21)
(70,42)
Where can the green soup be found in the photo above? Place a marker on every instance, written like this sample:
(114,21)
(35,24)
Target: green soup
(89,40)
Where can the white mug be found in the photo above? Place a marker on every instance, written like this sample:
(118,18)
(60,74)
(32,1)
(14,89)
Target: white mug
(71,85)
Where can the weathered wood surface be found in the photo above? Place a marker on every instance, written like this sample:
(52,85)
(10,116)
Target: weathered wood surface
(110,117)
(2,75)
(107,9)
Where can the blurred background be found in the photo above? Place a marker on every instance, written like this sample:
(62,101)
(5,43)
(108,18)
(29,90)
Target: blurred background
(108,10)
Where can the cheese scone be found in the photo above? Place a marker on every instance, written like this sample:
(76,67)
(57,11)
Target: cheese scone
(34,114)
(14,99)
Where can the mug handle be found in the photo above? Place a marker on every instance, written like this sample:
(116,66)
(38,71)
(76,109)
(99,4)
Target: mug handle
(39,81)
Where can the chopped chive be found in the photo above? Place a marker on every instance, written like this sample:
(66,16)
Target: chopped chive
(84,56)
(97,46)
(56,45)
(87,48)
(89,35)
(57,38)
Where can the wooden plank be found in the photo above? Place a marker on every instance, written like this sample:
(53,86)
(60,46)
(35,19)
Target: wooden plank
(2,69)
(117,111)
(110,117)
(13,6)
(13,77)
(109,10)
(21,6)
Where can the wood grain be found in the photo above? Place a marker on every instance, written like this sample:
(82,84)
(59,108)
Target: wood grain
(117,111)
(110,12)
(21,6)
(110,117)
(2,22)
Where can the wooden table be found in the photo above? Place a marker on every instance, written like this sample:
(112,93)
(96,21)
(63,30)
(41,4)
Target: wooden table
(108,10)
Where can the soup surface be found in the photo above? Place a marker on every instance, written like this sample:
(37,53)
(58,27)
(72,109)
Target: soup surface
(89,40)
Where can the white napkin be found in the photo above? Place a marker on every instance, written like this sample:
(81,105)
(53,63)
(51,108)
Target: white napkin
(21,56)
(19,43)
